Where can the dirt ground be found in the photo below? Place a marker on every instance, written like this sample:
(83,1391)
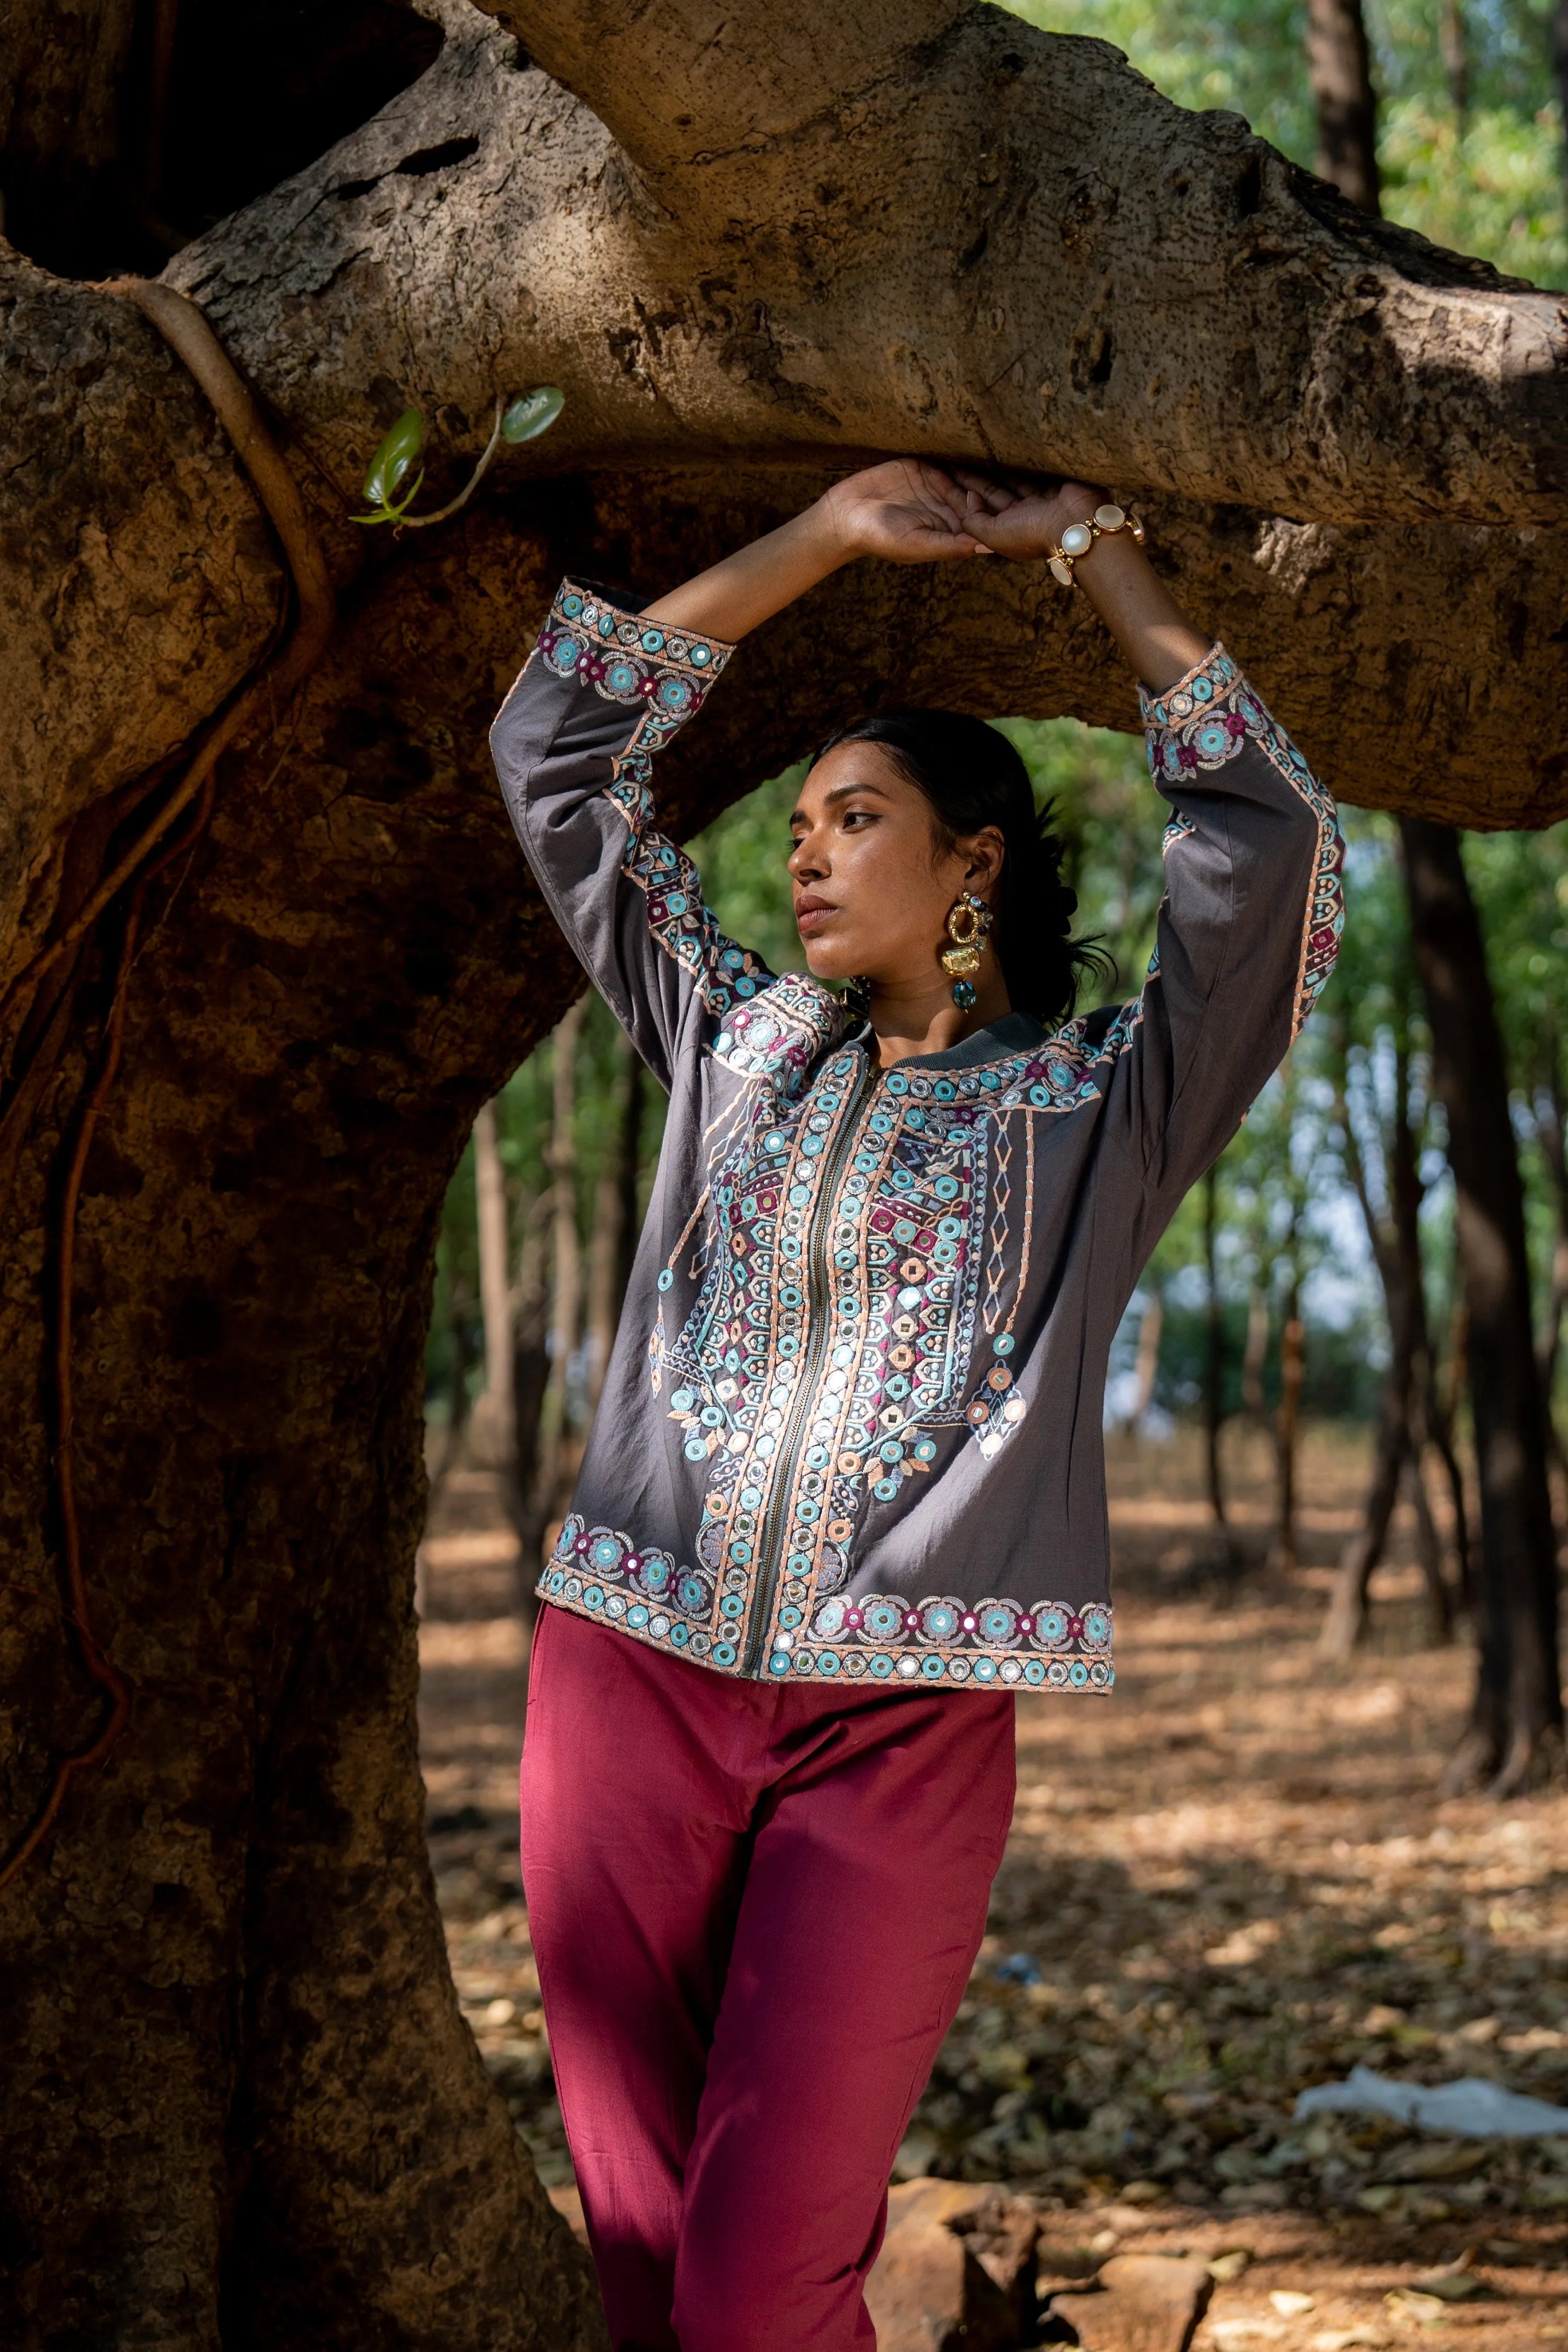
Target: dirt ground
(1230,1881)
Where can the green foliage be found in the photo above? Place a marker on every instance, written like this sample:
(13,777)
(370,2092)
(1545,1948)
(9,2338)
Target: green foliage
(531,413)
(1496,190)
(525,416)
(389,467)
(1244,57)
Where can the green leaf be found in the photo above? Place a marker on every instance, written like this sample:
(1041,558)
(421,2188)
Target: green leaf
(395,513)
(531,413)
(392,459)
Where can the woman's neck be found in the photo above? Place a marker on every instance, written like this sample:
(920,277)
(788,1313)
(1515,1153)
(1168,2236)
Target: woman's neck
(925,1020)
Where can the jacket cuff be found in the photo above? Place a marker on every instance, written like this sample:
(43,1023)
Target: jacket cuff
(1202,721)
(625,658)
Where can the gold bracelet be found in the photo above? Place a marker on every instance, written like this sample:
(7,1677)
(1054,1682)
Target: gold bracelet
(1080,537)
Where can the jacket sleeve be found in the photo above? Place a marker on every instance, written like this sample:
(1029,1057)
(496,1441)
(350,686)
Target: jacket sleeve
(1248,931)
(574,745)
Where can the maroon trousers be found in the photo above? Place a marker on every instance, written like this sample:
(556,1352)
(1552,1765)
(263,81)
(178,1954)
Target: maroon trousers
(755,1912)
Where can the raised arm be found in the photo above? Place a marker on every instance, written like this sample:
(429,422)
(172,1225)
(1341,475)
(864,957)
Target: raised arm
(1250,921)
(609,684)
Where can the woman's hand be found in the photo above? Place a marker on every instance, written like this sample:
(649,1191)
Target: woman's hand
(907,512)
(1024,519)
(904,511)
(1021,515)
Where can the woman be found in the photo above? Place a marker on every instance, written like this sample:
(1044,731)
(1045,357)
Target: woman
(845,1492)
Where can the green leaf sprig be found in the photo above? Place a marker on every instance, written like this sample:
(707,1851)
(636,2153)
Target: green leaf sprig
(522,419)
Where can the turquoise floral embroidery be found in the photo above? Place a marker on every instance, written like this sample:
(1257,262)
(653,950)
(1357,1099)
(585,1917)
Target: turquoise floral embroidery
(875,1637)
(1200,723)
(668,672)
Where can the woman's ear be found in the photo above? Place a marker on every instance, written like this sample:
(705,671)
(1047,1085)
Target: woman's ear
(985,852)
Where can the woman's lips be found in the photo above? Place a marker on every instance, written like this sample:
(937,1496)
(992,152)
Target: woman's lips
(812,913)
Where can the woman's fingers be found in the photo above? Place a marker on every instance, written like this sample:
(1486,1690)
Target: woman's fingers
(985,491)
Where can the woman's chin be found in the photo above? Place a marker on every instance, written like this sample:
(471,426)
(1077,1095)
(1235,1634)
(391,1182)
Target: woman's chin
(825,960)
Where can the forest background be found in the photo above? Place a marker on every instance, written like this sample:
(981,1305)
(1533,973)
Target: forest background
(1275,1295)
(273,2012)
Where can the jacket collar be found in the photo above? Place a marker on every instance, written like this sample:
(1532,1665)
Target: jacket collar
(1016,1033)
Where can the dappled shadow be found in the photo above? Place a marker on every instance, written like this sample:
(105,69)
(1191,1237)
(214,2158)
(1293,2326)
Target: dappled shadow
(1232,1880)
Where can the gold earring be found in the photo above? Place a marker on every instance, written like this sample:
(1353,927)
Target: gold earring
(968,922)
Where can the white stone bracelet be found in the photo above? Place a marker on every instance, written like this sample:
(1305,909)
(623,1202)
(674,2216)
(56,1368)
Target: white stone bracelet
(1080,537)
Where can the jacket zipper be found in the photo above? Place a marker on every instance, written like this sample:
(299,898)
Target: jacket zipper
(819,1343)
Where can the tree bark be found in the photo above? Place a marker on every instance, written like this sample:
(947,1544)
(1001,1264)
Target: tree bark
(242,2099)
(1517,1704)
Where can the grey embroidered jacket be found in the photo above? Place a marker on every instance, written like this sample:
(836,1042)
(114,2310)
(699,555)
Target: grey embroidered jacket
(851,1427)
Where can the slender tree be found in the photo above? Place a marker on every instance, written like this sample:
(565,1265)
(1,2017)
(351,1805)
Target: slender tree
(1339,65)
(560,1431)
(495,1414)
(1453,41)
(613,1241)
(1287,1416)
(1517,1712)
(1406,1418)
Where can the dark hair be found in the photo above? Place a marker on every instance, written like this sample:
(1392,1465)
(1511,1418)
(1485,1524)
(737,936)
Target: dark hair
(974,777)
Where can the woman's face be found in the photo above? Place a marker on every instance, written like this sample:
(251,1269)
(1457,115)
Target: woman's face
(872,886)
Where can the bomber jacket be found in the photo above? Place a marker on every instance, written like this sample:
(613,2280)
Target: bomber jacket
(851,1427)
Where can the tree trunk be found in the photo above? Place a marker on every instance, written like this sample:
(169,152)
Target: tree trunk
(495,1414)
(1346,1620)
(243,2108)
(1406,1192)
(613,1243)
(460,1320)
(1551,1129)
(630,1212)
(1254,1351)
(1453,41)
(1518,1703)
(558,1436)
(1214,1352)
(530,1377)
(1339,64)
(1287,1424)
(1429,1553)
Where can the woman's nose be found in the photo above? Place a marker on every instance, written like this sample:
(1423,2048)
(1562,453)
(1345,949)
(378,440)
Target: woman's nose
(805,860)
